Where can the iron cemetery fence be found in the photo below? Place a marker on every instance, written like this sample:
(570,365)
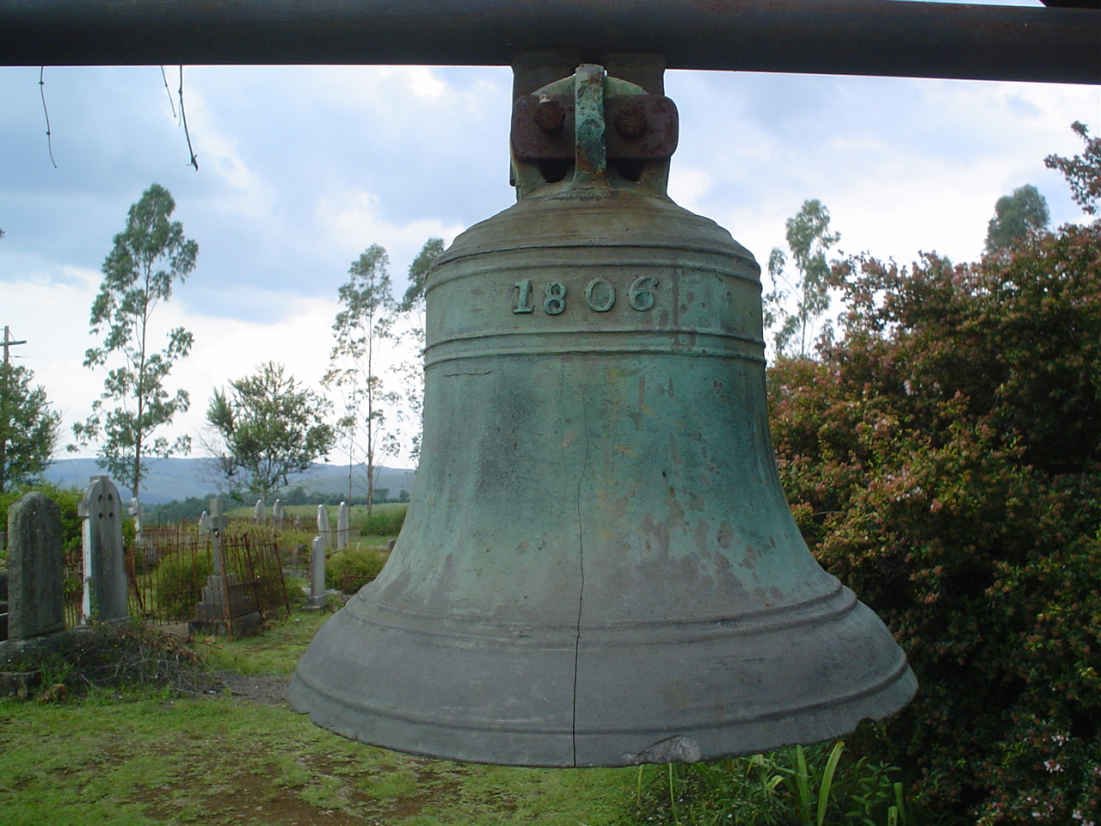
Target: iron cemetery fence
(167,572)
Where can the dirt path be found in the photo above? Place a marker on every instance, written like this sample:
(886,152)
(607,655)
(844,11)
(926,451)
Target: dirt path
(266,689)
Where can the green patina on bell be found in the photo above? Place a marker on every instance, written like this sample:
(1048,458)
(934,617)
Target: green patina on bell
(598,565)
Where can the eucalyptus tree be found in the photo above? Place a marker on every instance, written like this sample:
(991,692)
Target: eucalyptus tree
(1015,216)
(809,240)
(363,325)
(148,259)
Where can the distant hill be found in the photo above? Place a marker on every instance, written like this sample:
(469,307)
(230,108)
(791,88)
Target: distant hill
(171,479)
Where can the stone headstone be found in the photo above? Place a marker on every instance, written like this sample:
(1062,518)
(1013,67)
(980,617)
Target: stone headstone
(142,547)
(228,605)
(323,526)
(100,511)
(258,512)
(342,527)
(36,568)
(317,573)
(215,523)
(277,514)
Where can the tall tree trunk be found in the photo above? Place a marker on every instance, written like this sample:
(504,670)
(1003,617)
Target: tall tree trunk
(370,413)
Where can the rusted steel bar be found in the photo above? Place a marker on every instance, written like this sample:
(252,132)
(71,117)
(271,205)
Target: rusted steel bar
(867,37)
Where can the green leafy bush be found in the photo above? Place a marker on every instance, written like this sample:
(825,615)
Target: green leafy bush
(386,521)
(179,579)
(816,785)
(943,459)
(294,545)
(350,570)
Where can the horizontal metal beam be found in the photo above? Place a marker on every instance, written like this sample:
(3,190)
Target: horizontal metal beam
(863,37)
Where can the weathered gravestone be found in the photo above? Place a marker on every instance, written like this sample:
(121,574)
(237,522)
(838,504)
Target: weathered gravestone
(317,574)
(342,527)
(228,605)
(323,525)
(142,546)
(100,511)
(317,559)
(277,514)
(36,569)
(258,512)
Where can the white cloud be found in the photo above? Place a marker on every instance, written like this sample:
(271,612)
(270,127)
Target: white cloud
(53,316)
(352,220)
(689,186)
(246,193)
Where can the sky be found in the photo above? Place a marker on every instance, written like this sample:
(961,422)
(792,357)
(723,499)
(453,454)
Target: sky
(301,169)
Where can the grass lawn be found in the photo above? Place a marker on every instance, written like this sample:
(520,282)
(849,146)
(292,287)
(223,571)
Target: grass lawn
(148,757)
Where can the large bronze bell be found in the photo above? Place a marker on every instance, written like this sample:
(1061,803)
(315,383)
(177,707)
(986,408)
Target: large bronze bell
(598,566)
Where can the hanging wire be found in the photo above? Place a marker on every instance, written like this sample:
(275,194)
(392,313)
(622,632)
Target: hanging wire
(46,112)
(168,92)
(183,117)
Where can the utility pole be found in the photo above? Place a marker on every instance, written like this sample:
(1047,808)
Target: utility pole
(8,343)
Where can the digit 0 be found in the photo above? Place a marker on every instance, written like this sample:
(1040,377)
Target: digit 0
(600,295)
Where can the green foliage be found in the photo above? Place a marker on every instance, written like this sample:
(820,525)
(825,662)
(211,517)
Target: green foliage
(28,427)
(270,427)
(796,786)
(179,579)
(178,510)
(419,271)
(944,460)
(809,240)
(1083,172)
(146,261)
(351,569)
(382,521)
(1015,216)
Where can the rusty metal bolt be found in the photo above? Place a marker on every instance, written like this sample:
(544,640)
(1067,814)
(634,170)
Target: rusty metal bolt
(630,121)
(549,115)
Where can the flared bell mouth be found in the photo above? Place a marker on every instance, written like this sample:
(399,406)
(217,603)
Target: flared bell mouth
(620,697)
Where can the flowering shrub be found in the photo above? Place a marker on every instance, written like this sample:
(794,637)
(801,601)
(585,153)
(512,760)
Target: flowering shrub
(943,459)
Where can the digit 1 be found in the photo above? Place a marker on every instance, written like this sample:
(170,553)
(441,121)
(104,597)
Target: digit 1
(523,297)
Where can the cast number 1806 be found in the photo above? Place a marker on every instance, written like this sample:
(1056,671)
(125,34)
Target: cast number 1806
(600,295)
